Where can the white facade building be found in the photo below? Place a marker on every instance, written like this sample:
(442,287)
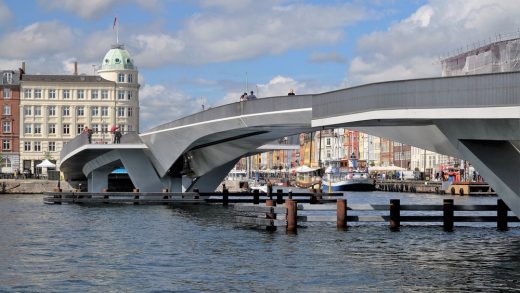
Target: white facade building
(56,108)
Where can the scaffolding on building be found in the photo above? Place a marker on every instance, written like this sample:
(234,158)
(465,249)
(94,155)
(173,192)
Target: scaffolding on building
(498,56)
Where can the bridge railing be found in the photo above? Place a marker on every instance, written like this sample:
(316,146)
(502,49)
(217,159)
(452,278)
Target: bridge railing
(71,145)
(497,89)
(262,105)
(131,137)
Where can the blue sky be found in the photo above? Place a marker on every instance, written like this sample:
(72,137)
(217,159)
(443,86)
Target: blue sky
(202,51)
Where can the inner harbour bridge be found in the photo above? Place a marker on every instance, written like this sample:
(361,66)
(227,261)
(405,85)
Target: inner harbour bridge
(473,117)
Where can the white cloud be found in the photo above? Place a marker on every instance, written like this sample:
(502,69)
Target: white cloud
(85,9)
(160,104)
(10,64)
(157,49)
(5,13)
(94,8)
(226,32)
(411,47)
(39,38)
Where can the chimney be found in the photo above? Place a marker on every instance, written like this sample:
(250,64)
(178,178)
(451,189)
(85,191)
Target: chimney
(75,67)
(23,66)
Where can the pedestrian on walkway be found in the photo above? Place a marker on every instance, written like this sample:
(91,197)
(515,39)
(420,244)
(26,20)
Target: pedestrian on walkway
(114,130)
(89,132)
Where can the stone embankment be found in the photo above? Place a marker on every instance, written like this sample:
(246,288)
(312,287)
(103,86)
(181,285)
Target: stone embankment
(31,185)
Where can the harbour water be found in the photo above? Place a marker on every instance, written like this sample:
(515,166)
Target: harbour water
(132,248)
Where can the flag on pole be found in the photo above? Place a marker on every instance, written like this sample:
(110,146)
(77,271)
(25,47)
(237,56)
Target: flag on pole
(115,22)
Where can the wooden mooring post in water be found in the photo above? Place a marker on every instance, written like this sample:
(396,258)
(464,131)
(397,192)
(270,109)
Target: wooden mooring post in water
(394,217)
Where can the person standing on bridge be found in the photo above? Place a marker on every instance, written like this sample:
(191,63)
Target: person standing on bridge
(291,92)
(251,96)
(89,132)
(243,97)
(117,134)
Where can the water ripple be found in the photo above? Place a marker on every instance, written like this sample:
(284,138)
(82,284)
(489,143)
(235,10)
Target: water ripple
(73,248)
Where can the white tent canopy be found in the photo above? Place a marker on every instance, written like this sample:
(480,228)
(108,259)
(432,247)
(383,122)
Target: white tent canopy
(46,164)
(304,169)
(385,168)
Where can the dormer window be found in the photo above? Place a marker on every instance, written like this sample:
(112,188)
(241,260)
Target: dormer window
(106,61)
(8,77)
(128,61)
(117,60)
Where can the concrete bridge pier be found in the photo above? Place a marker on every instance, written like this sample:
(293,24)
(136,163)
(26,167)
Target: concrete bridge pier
(499,163)
(177,183)
(97,180)
(211,180)
(140,170)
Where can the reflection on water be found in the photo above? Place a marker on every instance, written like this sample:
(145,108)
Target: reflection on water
(74,248)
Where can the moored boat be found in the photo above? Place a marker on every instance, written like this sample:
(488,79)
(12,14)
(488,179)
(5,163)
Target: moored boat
(308,177)
(339,177)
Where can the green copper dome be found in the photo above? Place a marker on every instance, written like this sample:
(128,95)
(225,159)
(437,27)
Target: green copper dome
(117,59)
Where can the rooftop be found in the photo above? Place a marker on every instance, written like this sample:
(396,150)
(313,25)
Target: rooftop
(64,78)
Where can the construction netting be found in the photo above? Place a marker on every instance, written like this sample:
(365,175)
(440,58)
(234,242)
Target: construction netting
(503,56)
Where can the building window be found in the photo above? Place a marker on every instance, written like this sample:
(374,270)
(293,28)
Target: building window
(120,111)
(7,93)
(27,146)
(328,141)
(66,129)
(94,111)
(6,126)
(7,109)
(52,146)
(104,94)
(95,128)
(130,111)
(37,128)
(66,111)
(52,128)
(27,129)
(27,110)
(52,110)
(80,94)
(6,162)
(37,93)
(37,111)
(66,94)
(104,128)
(6,145)
(79,128)
(8,77)
(130,78)
(120,95)
(80,111)
(94,94)
(130,128)
(121,77)
(129,95)
(52,94)
(104,111)
(27,93)
(37,146)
